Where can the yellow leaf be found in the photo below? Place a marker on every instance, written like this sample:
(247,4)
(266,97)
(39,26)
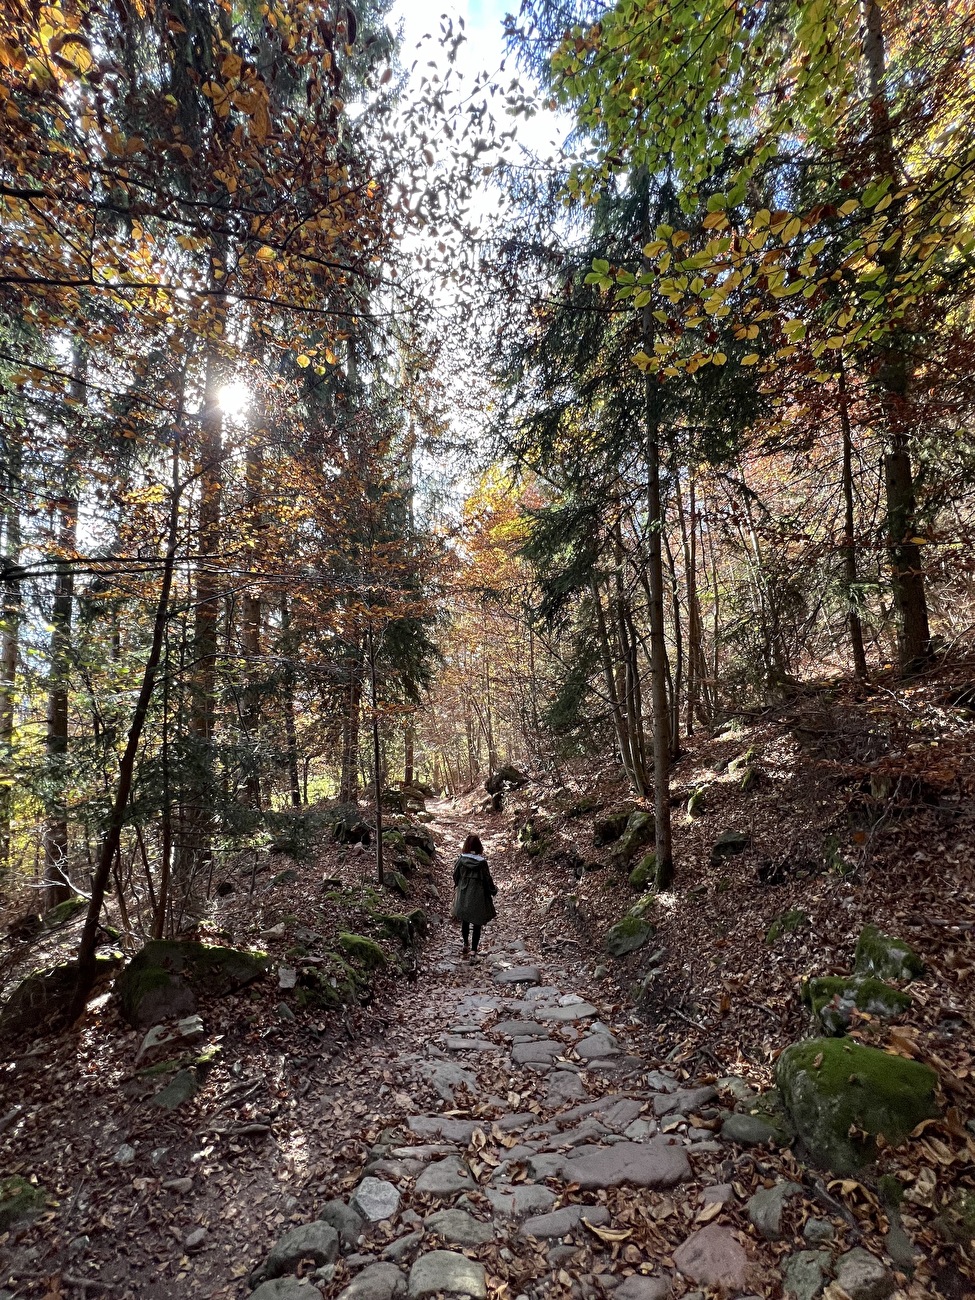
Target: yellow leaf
(715,221)
(718,359)
(304,360)
(849,206)
(265,254)
(709,1212)
(750,359)
(608,1234)
(792,229)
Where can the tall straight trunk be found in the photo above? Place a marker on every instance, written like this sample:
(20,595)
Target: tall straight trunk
(196,821)
(677,682)
(633,770)
(409,743)
(697,669)
(907,572)
(10,641)
(251,613)
(377,771)
(56,885)
(290,731)
(658,645)
(849,537)
(113,832)
(349,776)
(492,756)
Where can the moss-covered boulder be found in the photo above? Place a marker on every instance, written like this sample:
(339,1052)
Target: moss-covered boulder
(397,883)
(333,984)
(40,1003)
(365,951)
(608,829)
(794,919)
(697,804)
(841,1096)
(644,873)
(404,927)
(640,831)
(61,913)
(832,999)
(165,978)
(19,1200)
(534,834)
(627,935)
(886,957)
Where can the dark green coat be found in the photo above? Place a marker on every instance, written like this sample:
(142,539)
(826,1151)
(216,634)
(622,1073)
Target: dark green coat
(475,890)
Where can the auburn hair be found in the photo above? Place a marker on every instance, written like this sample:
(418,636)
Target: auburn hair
(472,845)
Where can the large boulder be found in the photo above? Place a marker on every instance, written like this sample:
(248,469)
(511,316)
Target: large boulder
(640,831)
(608,829)
(841,1096)
(506,778)
(644,873)
(41,1003)
(833,1000)
(165,978)
(627,936)
(886,957)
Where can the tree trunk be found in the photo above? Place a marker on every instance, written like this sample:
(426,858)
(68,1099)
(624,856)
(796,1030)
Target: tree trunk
(251,613)
(290,731)
(634,773)
(907,573)
(409,741)
(349,778)
(377,773)
(56,885)
(849,536)
(113,832)
(10,644)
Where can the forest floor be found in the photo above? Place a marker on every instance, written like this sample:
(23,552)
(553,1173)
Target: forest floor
(860,809)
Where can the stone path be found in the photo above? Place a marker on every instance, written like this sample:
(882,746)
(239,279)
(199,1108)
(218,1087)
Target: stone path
(556,1161)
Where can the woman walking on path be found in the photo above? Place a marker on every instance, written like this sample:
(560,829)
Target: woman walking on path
(473,894)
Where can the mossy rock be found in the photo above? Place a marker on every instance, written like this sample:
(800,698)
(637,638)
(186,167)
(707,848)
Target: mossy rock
(841,1096)
(365,951)
(748,779)
(787,923)
(644,873)
(729,844)
(533,835)
(742,762)
(19,1200)
(627,935)
(182,1088)
(406,928)
(608,829)
(418,921)
(397,883)
(164,979)
(41,1003)
(697,804)
(640,831)
(832,1000)
(286,877)
(395,839)
(588,803)
(957,1217)
(333,985)
(886,957)
(643,905)
(64,912)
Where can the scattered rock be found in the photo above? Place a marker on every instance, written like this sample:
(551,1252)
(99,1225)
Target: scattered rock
(766,1207)
(124,1155)
(564,1086)
(162,1040)
(402,1246)
(195,1239)
(804,1273)
(459,1227)
(163,979)
(520,1201)
(518,975)
(886,957)
(375,1200)
(640,831)
(713,1257)
(842,1095)
(344,1219)
(180,1185)
(832,1000)
(729,844)
(181,1088)
(286,1288)
(445,1178)
(751,1130)
(627,935)
(644,1164)
(451,1130)
(640,1287)
(576,1011)
(447,1077)
(683,1101)
(365,952)
(377,1282)
(606,830)
(818,1231)
(598,1046)
(316,1241)
(862,1276)
(536,1051)
(518,1029)
(559,1223)
(447,1272)
(41,1003)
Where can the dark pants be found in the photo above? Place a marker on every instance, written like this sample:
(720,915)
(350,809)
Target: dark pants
(465,930)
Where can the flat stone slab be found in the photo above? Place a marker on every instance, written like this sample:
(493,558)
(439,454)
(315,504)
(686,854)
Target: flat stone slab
(564,1086)
(644,1164)
(509,1122)
(590,1130)
(456,1044)
(446,1078)
(451,1130)
(520,1201)
(621,1113)
(577,1011)
(445,1271)
(537,1051)
(766,1207)
(375,1200)
(517,975)
(598,1046)
(445,1178)
(286,1288)
(318,1241)
(559,1223)
(683,1101)
(459,1227)
(750,1131)
(543,992)
(639,1287)
(713,1257)
(518,1029)
(377,1282)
